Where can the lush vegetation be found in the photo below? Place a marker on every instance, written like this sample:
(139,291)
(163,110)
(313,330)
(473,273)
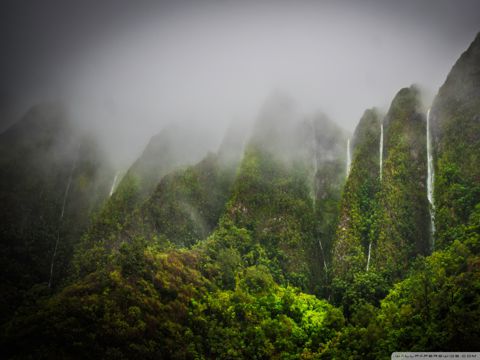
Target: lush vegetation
(455,114)
(271,254)
(403,220)
(51,179)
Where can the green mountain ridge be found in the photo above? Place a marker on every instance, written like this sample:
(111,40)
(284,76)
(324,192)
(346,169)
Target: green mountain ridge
(267,250)
(52,178)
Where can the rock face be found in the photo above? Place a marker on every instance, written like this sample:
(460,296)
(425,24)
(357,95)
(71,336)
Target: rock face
(384,224)
(355,230)
(329,178)
(52,178)
(455,118)
(179,209)
(403,217)
(174,147)
(187,204)
(285,195)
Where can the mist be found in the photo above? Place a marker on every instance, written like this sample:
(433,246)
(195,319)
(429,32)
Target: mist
(125,71)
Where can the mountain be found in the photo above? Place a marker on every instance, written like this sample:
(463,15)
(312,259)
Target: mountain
(455,123)
(384,221)
(436,306)
(286,169)
(184,207)
(52,178)
(175,146)
(355,231)
(330,148)
(299,243)
(403,220)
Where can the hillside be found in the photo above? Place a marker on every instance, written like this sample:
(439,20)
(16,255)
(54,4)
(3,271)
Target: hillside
(300,242)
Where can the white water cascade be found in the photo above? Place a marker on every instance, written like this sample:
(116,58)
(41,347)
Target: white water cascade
(381,151)
(60,224)
(114,184)
(430,179)
(323,254)
(315,163)
(369,253)
(349,157)
(315,170)
(380,169)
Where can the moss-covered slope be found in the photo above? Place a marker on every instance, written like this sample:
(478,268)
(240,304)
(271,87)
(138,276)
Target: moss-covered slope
(403,218)
(52,178)
(455,121)
(355,230)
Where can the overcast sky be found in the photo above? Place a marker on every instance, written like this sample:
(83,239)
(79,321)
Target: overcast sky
(127,68)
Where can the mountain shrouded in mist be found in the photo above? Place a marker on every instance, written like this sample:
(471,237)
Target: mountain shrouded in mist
(286,238)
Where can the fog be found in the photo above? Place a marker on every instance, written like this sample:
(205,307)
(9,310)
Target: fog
(127,69)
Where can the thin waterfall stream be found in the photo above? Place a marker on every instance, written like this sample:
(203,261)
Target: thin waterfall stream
(349,157)
(315,170)
(430,180)
(114,184)
(381,152)
(65,196)
(380,169)
(369,253)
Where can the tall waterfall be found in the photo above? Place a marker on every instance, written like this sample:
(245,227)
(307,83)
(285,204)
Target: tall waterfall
(65,196)
(314,187)
(430,179)
(381,151)
(349,157)
(114,184)
(315,163)
(369,253)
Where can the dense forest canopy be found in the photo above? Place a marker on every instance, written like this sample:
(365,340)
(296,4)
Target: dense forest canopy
(291,240)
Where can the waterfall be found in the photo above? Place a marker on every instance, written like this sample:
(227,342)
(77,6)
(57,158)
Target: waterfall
(323,254)
(381,151)
(67,189)
(114,184)
(369,253)
(430,179)
(315,163)
(349,157)
(314,187)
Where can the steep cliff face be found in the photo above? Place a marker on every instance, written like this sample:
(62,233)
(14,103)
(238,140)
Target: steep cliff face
(205,261)
(355,234)
(52,178)
(128,212)
(384,220)
(455,119)
(183,208)
(187,204)
(287,170)
(174,147)
(330,163)
(403,218)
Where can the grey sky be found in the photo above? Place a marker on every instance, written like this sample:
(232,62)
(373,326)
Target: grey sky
(128,68)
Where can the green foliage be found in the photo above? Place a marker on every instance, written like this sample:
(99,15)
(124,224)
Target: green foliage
(436,308)
(365,288)
(118,314)
(383,224)
(187,204)
(355,229)
(104,234)
(51,178)
(184,209)
(205,263)
(271,201)
(455,114)
(260,320)
(403,219)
